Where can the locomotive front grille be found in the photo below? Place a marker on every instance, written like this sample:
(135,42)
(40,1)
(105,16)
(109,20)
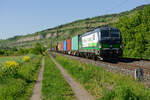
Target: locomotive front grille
(110,52)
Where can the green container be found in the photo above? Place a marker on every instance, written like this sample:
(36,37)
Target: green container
(75,43)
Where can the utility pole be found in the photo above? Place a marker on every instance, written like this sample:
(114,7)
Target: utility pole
(57,37)
(51,43)
(87,26)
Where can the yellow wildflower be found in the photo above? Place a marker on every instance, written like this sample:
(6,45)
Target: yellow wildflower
(10,67)
(26,58)
(11,64)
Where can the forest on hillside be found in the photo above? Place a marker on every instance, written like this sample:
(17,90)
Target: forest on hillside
(136,34)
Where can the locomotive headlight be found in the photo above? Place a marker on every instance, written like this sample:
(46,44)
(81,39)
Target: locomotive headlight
(100,46)
(120,46)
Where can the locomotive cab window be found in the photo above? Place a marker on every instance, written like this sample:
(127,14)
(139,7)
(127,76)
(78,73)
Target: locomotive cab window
(105,33)
(115,33)
(110,33)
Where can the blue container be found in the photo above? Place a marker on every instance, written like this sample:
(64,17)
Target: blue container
(65,45)
(53,49)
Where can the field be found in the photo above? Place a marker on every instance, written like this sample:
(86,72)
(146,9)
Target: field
(102,84)
(16,58)
(18,78)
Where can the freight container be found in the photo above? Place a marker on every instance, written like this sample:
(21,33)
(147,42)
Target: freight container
(75,43)
(50,49)
(69,45)
(53,49)
(65,45)
(61,46)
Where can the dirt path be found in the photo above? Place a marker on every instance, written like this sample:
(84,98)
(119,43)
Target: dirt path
(78,90)
(36,95)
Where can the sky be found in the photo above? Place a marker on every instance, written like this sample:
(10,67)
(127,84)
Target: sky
(21,17)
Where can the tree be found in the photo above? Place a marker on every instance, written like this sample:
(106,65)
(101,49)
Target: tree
(136,34)
(2,52)
(38,49)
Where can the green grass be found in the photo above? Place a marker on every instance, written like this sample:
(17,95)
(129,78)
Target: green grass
(15,58)
(102,84)
(20,87)
(54,86)
(4,59)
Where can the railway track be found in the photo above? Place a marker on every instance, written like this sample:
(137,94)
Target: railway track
(130,64)
(125,66)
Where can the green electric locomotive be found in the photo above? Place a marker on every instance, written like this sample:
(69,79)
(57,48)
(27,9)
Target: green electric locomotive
(102,42)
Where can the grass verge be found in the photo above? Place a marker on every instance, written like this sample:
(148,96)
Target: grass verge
(20,86)
(102,84)
(54,87)
(4,59)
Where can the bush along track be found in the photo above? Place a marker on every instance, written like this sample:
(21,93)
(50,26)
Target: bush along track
(54,87)
(18,78)
(102,84)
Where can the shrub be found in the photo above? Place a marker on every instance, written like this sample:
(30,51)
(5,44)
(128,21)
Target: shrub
(38,49)
(1,74)
(26,58)
(10,68)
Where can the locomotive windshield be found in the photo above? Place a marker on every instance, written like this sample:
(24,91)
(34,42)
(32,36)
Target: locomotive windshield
(115,33)
(110,33)
(105,33)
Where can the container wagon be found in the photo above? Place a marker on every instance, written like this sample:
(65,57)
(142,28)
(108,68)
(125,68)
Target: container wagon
(69,46)
(64,46)
(61,46)
(75,45)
